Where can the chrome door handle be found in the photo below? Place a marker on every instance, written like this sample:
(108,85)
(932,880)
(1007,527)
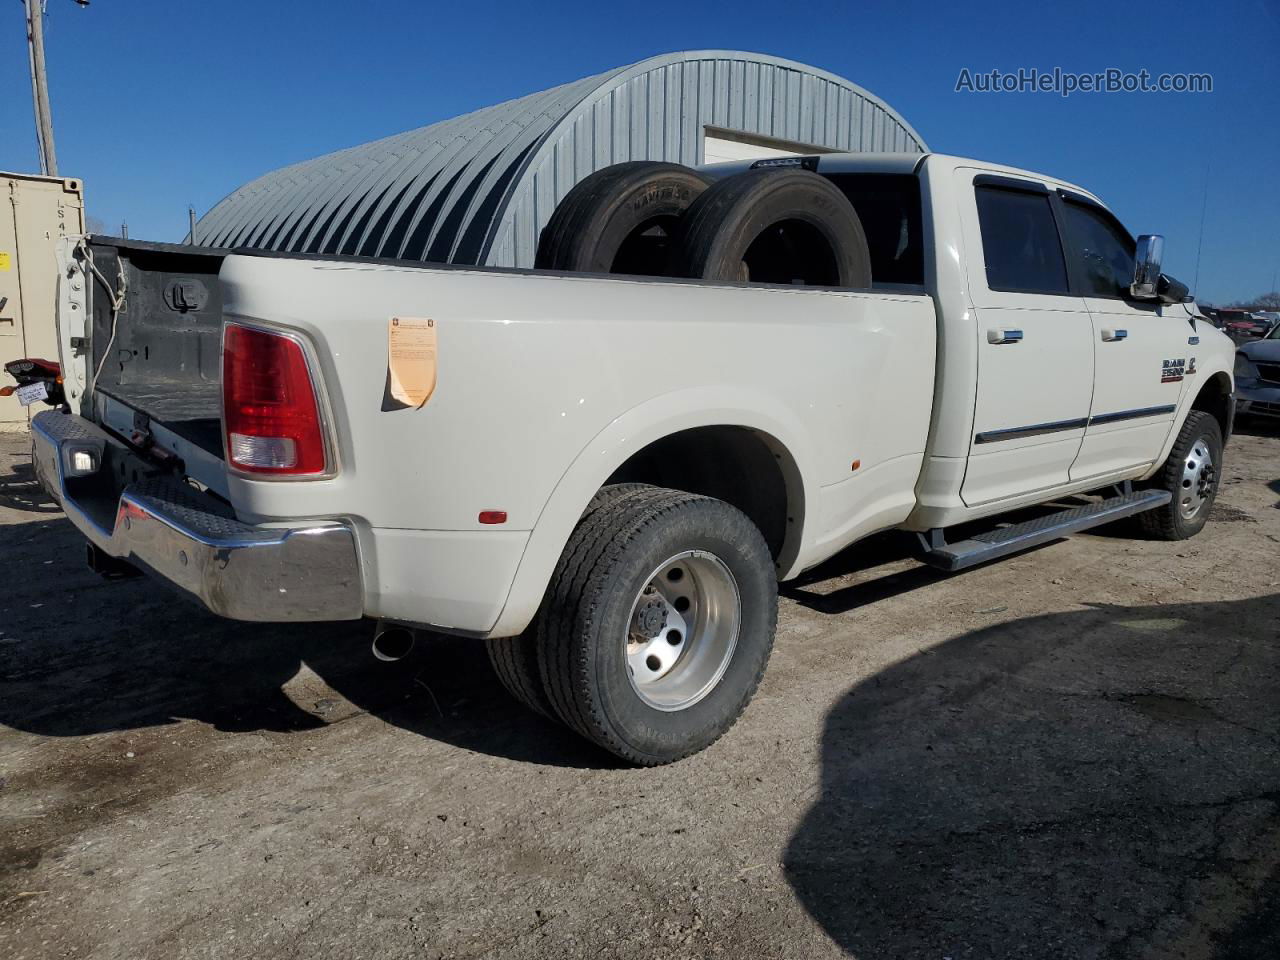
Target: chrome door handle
(1004,336)
(1110,335)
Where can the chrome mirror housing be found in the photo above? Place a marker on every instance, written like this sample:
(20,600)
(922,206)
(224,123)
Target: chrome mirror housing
(1146,266)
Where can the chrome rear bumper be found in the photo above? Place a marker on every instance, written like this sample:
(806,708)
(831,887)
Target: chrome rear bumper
(237,570)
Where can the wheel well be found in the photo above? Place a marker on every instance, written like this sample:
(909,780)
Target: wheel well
(735,464)
(1215,398)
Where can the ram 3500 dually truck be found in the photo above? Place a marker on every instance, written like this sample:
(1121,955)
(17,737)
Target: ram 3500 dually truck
(611,473)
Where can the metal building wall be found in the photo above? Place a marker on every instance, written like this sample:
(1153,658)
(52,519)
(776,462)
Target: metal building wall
(479,188)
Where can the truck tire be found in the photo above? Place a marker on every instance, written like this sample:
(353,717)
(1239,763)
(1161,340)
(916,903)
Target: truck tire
(515,659)
(658,624)
(1191,474)
(773,226)
(619,219)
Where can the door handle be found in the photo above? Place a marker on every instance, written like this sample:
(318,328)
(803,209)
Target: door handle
(1109,336)
(1004,336)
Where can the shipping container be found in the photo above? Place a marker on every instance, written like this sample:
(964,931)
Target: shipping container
(37,211)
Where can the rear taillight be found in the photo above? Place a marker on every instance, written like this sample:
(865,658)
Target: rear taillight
(269,409)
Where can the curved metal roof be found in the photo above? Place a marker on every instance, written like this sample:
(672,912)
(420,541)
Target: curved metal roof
(479,188)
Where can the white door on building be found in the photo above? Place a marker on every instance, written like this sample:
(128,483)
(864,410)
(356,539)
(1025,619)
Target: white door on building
(721,146)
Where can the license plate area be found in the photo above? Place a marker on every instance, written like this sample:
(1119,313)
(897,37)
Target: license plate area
(98,493)
(32,393)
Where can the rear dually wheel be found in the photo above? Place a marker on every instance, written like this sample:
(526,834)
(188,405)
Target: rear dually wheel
(658,624)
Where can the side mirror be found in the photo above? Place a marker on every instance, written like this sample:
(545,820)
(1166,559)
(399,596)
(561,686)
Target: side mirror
(1170,290)
(1146,266)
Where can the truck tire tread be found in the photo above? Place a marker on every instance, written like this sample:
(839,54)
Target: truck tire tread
(721,226)
(593,228)
(583,554)
(515,659)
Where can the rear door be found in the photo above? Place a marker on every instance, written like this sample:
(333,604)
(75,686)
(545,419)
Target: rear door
(1035,349)
(1144,352)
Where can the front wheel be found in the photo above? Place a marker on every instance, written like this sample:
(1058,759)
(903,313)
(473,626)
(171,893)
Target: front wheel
(658,624)
(1191,474)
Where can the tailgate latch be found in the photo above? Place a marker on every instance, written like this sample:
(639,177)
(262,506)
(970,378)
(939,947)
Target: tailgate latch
(184,295)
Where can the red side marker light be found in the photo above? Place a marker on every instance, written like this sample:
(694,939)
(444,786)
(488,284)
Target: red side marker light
(493,516)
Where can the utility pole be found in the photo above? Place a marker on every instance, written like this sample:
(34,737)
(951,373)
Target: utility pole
(40,88)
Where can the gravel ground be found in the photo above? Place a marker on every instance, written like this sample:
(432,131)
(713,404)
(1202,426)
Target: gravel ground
(1073,753)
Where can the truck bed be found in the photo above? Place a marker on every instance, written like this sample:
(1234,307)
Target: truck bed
(163,359)
(191,409)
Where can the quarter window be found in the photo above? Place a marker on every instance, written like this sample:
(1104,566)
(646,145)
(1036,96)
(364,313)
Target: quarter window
(1101,250)
(1020,241)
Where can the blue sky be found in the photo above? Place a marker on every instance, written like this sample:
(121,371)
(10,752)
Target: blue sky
(162,103)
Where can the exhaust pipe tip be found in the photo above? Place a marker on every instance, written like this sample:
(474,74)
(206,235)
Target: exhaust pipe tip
(392,643)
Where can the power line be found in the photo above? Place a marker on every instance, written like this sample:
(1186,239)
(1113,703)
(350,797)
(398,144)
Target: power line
(1204,205)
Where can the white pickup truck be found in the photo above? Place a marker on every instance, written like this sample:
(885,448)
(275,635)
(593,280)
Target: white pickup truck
(613,472)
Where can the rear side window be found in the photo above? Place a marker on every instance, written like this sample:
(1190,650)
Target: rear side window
(1101,249)
(1020,241)
(889,207)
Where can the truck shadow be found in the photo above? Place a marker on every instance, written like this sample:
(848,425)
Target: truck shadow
(1100,783)
(20,490)
(1267,427)
(1256,426)
(854,570)
(80,655)
(859,582)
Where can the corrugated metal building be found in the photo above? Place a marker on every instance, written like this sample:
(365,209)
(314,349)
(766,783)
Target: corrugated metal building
(478,189)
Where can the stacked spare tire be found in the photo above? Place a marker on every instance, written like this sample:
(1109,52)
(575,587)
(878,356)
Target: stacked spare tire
(769,225)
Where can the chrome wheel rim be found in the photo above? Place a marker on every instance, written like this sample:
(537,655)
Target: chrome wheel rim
(682,630)
(1198,479)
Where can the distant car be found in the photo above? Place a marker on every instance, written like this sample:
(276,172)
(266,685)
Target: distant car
(1241,325)
(1270,317)
(1228,317)
(1258,376)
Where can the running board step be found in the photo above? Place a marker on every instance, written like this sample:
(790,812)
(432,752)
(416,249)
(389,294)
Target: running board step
(1021,536)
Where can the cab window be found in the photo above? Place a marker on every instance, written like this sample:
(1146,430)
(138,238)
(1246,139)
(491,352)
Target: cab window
(1102,251)
(888,206)
(1020,241)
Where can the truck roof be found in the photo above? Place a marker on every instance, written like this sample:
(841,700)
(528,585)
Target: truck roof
(897,163)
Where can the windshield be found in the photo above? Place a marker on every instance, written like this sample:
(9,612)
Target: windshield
(1275,332)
